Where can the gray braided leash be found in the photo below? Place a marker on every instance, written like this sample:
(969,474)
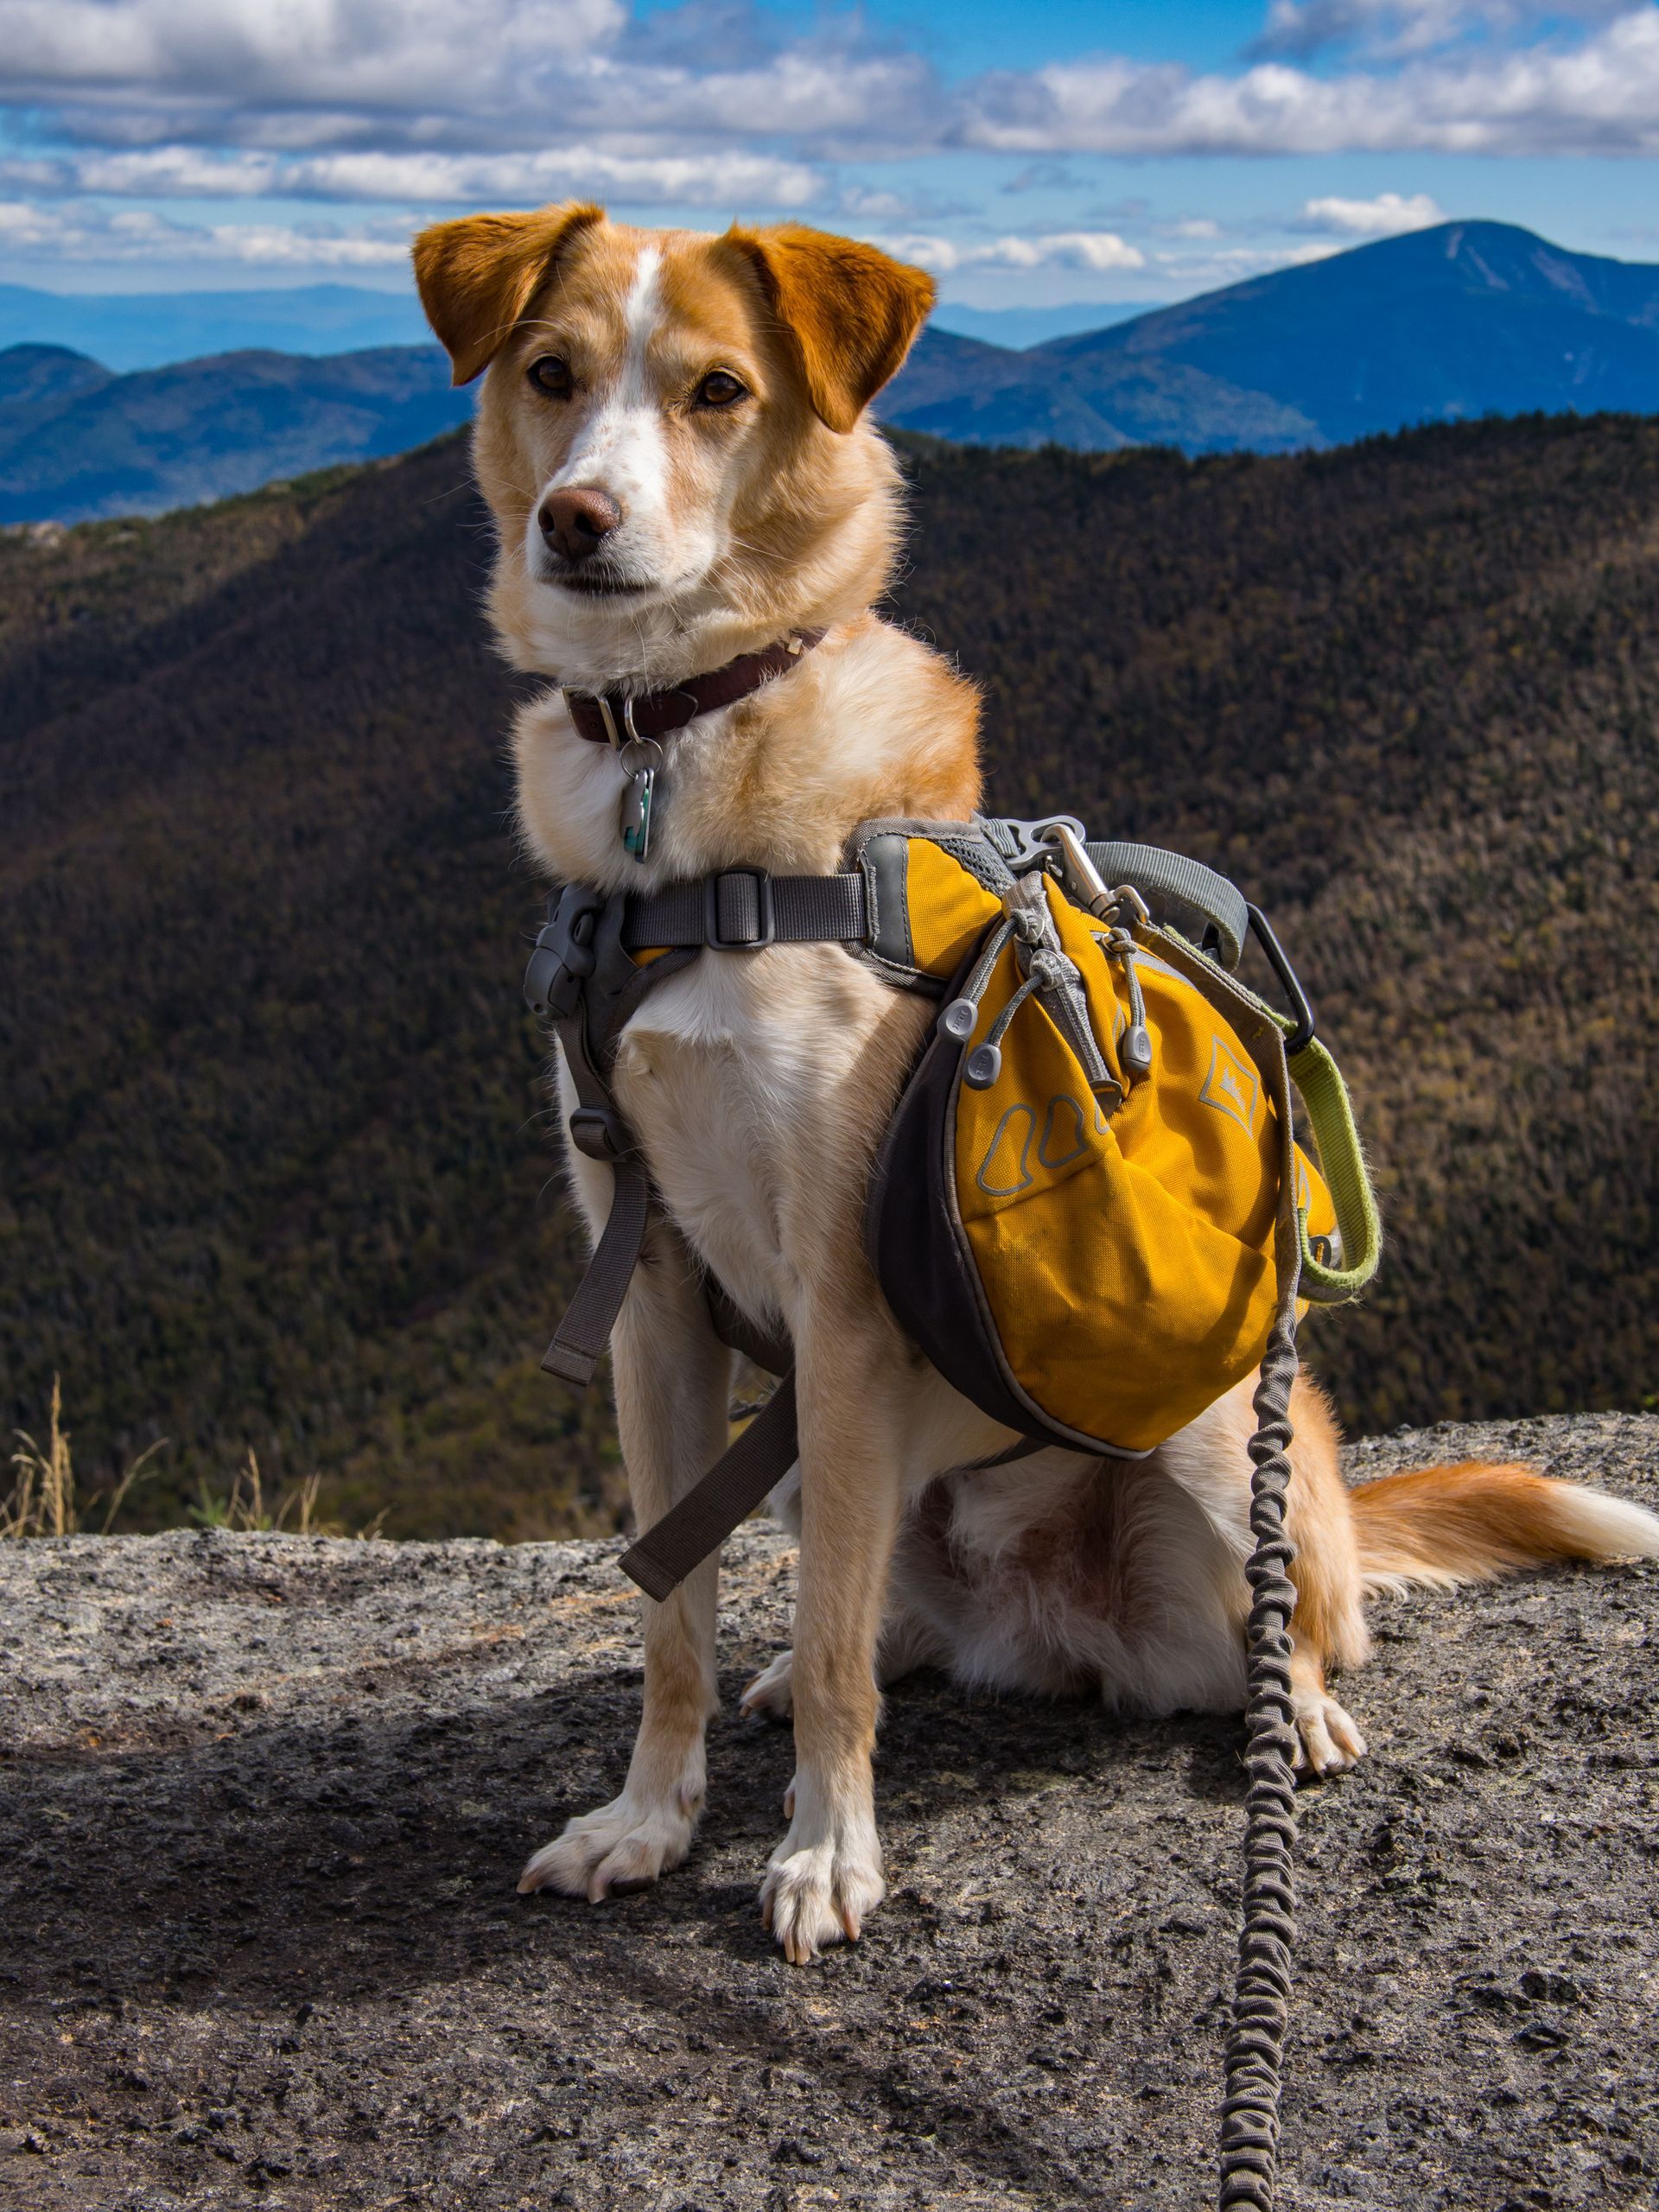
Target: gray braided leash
(1249,2116)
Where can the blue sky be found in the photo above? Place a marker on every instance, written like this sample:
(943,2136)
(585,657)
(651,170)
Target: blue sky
(1029,152)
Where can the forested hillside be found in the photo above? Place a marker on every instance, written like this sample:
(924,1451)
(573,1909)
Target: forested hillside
(275,1169)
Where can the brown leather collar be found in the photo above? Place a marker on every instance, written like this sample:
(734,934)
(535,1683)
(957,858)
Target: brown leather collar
(614,717)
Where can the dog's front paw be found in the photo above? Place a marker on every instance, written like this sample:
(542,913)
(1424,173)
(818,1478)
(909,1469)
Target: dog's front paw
(624,1845)
(1327,1740)
(821,1890)
(771,1692)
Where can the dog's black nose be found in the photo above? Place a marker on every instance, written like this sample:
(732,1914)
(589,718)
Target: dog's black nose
(576,522)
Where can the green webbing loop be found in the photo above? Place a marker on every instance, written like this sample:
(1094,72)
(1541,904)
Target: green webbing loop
(1330,1117)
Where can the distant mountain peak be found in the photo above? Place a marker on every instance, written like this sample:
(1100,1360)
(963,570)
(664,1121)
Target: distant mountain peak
(1465,318)
(36,381)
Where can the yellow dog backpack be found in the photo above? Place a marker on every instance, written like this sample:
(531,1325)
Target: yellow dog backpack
(1090,1206)
(1074,1212)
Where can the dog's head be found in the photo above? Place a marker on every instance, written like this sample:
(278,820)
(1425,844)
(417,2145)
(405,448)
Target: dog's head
(673,434)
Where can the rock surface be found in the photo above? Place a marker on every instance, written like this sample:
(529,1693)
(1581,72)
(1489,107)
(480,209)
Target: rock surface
(266,1797)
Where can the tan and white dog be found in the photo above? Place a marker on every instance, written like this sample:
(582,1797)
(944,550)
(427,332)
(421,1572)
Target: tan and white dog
(673,440)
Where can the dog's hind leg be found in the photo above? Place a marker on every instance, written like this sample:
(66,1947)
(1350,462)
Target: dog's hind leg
(672,1379)
(1328,1626)
(906,1643)
(1210,1461)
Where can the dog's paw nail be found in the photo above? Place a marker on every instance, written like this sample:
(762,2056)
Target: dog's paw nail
(770,1695)
(1327,1740)
(820,1895)
(623,1846)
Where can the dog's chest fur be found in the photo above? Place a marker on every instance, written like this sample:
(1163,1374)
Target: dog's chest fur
(748,1079)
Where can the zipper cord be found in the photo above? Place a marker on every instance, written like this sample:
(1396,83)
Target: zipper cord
(1135,1047)
(960,1017)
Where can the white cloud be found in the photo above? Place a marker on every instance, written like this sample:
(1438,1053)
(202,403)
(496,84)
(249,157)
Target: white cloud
(1382,218)
(384,52)
(666,98)
(462,76)
(1599,97)
(413,179)
(406,106)
(1301,29)
(1231,265)
(137,234)
(1087,249)
(273,245)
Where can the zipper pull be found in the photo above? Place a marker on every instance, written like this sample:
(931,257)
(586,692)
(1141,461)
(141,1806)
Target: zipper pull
(960,1017)
(1135,1047)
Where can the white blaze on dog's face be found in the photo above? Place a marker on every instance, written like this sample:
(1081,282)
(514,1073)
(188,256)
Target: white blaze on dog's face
(671,435)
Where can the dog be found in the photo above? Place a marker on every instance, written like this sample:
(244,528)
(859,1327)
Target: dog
(674,439)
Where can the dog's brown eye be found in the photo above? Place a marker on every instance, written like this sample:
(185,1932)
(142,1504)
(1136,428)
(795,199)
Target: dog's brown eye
(719,388)
(552,375)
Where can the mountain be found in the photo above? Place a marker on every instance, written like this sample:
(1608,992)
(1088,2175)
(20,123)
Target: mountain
(36,380)
(146,330)
(972,393)
(78,441)
(1465,320)
(277,1165)
(1448,324)
(1457,322)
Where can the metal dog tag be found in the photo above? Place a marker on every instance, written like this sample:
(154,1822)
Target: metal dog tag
(635,821)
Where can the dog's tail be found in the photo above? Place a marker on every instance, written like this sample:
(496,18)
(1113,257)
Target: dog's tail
(1442,1526)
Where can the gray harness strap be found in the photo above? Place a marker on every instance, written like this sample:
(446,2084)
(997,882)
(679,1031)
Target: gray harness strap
(741,909)
(582,1337)
(583,978)
(590,1030)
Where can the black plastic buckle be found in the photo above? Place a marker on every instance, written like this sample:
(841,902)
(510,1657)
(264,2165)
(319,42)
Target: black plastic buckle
(564,955)
(1301,1013)
(767,918)
(595,1132)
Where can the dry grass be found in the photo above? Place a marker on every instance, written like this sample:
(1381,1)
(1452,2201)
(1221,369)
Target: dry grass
(242,1506)
(43,1499)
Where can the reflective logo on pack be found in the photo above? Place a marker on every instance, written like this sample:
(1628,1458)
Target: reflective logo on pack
(1006,1169)
(1063,1137)
(1231,1087)
(1013,1142)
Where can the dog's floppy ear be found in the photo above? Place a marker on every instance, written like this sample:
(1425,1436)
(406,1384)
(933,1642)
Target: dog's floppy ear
(852,311)
(475,276)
